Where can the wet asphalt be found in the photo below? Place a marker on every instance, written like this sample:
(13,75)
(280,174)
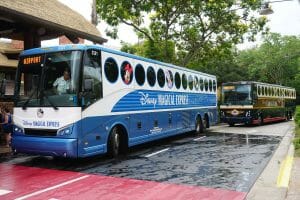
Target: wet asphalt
(216,160)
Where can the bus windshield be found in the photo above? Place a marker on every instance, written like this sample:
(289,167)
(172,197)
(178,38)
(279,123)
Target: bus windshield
(236,95)
(50,79)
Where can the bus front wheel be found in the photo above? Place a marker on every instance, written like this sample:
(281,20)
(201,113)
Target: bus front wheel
(114,143)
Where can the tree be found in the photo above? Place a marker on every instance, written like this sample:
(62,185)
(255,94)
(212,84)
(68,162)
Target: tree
(275,61)
(195,28)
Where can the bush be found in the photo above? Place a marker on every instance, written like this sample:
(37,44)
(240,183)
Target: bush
(297,116)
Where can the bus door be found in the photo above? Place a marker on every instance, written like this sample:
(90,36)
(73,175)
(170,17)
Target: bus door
(90,95)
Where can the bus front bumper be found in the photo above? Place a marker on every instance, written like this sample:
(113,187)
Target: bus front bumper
(236,120)
(58,147)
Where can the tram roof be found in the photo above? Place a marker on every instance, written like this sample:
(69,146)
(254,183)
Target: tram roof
(255,82)
(102,48)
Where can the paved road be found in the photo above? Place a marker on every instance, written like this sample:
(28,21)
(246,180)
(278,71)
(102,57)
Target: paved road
(224,163)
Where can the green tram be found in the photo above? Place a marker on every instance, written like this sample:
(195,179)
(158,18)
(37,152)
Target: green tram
(256,103)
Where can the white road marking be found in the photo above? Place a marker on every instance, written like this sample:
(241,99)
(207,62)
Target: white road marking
(155,153)
(51,188)
(200,138)
(4,192)
(252,131)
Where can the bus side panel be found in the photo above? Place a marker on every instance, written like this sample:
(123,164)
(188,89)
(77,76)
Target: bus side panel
(139,128)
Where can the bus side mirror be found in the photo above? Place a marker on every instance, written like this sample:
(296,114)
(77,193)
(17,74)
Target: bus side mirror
(88,85)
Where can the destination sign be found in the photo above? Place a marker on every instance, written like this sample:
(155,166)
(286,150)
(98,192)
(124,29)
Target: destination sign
(32,60)
(231,87)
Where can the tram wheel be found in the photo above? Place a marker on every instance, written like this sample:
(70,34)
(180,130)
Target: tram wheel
(261,120)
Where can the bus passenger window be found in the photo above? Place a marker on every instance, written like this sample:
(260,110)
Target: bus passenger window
(191,82)
(169,78)
(151,77)
(139,74)
(161,78)
(111,70)
(177,80)
(126,72)
(201,84)
(206,85)
(184,81)
(214,85)
(210,85)
(196,83)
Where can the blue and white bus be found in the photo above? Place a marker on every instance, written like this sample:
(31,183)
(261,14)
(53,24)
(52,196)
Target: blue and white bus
(109,101)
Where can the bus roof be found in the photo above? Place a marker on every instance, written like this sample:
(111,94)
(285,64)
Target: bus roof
(102,48)
(255,82)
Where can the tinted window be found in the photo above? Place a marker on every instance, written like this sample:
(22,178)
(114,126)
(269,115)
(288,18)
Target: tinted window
(126,72)
(111,70)
(169,79)
(184,81)
(139,74)
(151,76)
(161,78)
(201,84)
(196,83)
(191,82)
(177,80)
(92,82)
(214,85)
(210,85)
(206,85)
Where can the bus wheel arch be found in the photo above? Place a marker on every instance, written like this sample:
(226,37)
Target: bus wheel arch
(117,142)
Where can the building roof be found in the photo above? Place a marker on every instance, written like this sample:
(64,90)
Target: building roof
(6,49)
(50,17)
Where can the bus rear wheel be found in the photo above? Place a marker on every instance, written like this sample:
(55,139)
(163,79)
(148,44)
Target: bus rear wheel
(200,125)
(114,143)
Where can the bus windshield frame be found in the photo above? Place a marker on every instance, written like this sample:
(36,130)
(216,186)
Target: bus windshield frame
(40,78)
(237,94)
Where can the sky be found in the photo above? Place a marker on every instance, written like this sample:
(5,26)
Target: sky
(285,20)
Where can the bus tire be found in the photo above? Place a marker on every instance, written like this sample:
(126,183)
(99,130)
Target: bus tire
(114,143)
(198,126)
(207,125)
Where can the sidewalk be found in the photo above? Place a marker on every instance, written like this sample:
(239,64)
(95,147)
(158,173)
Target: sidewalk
(266,186)
(294,186)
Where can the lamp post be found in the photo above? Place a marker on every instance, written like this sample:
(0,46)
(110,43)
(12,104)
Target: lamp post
(266,9)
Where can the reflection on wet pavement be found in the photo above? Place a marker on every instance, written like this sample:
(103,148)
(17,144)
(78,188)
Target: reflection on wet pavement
(228,161)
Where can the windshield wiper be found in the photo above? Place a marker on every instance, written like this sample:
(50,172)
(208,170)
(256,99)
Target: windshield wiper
(29,98)
(43,94)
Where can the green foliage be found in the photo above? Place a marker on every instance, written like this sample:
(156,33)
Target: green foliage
(197,29)
(296,140)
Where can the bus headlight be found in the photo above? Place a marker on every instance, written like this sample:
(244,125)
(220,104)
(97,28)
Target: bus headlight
(18,130)
(67,130)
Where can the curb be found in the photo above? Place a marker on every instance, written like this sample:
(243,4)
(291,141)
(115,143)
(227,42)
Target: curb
(286,168)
